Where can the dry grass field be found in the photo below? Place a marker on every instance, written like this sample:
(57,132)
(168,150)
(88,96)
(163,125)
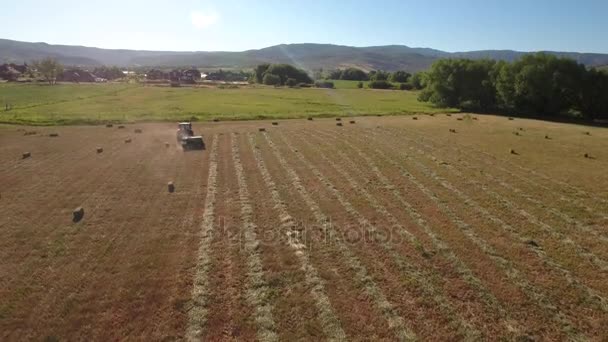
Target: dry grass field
(443,227)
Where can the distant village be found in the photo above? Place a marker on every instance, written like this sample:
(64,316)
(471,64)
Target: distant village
(25,73)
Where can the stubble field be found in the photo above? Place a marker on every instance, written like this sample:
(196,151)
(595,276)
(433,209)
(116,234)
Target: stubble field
(382,229)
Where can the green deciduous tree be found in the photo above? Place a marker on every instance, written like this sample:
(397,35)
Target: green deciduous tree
(49,68)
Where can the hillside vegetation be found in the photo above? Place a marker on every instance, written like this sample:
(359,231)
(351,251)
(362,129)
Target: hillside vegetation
(306,56)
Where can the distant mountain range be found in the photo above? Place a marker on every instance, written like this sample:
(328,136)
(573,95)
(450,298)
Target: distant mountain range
(307,56)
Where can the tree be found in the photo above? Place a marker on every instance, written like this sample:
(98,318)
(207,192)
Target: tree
(259,72)
(285,71)
(271,79)
(353,74)
(379,75)
(360,85)
(400,76)
(49,68)
(417,80)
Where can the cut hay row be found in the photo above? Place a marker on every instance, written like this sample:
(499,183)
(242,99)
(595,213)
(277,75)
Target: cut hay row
(420,277)
(504,183)
(395,322)
(534,293)
(471,152)
(197,315)
(444,249)
(329,321)
(258,291)
(591,295)
(93,201)
(553,211)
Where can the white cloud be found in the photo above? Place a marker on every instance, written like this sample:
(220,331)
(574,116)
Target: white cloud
(204,19)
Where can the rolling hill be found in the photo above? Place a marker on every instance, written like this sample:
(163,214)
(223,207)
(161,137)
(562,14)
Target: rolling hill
(307,56)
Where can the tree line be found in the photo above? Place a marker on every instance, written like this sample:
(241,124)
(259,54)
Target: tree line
(536,84)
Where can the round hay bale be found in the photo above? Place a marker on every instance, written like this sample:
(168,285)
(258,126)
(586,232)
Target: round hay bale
(338,124)
(547,137)
(511,119)
(216,120)
(512,151)
(475,118)
(275,123)
(167,144)
(452,130)
(587,133)
(99,150)
(415,118)
(109,125)
(171,187)
(459,119)
(516,133)
(128,141)
(338,119)
(431,114)
(77,214)
(54,135)
(262,129)
(586,155)
(309,119)
(26,155)
(352,121)
(138,130)
(448,114)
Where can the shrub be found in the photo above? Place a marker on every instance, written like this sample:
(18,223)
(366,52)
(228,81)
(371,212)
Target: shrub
(304,85)
(272,79)
(405,86)
(291,82)
(380,85)
(360,85)
(324,84)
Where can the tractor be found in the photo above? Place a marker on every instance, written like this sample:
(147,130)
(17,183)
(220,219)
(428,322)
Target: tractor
(187,139)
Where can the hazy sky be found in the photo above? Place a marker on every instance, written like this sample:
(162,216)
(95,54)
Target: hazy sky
(235,25)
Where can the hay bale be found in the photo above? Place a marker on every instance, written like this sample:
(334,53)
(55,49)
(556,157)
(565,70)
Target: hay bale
(352,121)
(586,155)
(475,118)
(171,187)
(431,114)
(54,135)
(516,133)
(547,137)
(30,133)
(167,144)
(121,127)
(338,119)
(138,130)
(26,155)
(216,120)
(275,123)
(448,114)
(587,133)
(520,128)
(512,151)
(511,119)
(262,129)
(99,149)
(415,118)
(452,130)
(338,124)
(109,125)
(128,141)
(77,214)
(459,119)
(309,119)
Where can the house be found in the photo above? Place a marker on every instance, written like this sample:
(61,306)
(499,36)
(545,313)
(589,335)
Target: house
(77,75)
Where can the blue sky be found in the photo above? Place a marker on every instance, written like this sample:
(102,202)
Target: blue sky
(235,25)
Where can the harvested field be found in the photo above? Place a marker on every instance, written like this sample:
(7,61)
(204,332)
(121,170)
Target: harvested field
(390,229)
